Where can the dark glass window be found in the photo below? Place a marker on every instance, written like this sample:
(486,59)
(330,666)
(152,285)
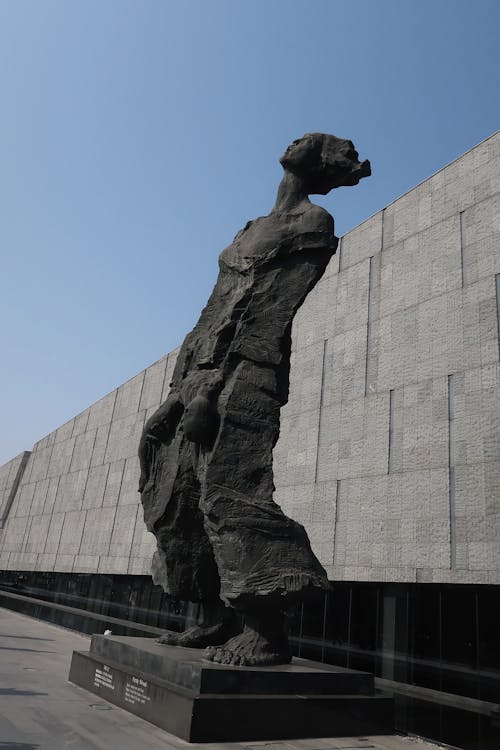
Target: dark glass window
(337,624)
(418,717)
(151,601)
(313,626)
(364,627)
(489,643)
(459,640)
(392,640)
(425,636)
(460,728)
(294,625)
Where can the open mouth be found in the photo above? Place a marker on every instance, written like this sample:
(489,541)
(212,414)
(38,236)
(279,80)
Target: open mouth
(365,169)
(357,172)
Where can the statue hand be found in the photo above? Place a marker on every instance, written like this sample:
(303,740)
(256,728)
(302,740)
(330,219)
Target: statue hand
(163,423)
(201,420)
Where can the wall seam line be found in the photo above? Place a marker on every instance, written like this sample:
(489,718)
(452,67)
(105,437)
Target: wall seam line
(337,501)
(497,294)
(321,397)
(451,470)
(462,249)
(369,323)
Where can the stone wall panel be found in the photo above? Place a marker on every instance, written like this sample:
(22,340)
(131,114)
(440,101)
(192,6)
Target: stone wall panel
(394,353)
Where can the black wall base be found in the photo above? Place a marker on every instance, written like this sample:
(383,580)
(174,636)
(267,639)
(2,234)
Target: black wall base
(441,638)
(203,702)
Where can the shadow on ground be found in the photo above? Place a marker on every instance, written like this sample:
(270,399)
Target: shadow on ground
(13,691)
(33,651)
(24,638)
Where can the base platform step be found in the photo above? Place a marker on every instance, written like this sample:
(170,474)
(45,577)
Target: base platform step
(199,701)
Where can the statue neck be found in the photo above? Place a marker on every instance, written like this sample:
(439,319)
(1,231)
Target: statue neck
(291,192)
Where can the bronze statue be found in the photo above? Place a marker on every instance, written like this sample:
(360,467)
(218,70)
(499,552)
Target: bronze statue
(206,454)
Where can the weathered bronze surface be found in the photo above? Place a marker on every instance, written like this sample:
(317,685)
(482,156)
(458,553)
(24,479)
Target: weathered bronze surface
(206,454)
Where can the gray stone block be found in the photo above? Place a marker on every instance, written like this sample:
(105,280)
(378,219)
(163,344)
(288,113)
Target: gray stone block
(13,534)
(351,305)
(39,497)
(80,423)
(113,483)
(45,561)
(82,451)
(123,531)
(60,458)
(71,533)
(116,565)
(101,412)
(100,445)
(139,566)
(23,500)
(64,563)
(11,475)
(362,242)
(86,564)
(129,494)
(24,561)
(169,370)
(50,497)
(64,432)
(95,487)
(97,531)
(143,542)
(54,533)
(38,533)
(128,397)
(70,491)
(154,377)
(323,505)
(38,464)
(124,436)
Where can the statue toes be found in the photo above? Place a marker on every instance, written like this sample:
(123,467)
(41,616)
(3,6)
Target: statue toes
(209,653)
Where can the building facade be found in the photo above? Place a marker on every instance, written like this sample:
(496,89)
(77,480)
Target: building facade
(389,452)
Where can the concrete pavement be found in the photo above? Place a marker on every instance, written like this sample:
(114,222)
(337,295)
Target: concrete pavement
(41,710)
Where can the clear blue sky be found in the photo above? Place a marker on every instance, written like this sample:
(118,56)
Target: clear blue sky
(136,138)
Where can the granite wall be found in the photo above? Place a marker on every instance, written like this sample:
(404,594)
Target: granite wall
(11,474)
(77,508)
(389,451)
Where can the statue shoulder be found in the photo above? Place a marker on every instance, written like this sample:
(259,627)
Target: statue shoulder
(317,219)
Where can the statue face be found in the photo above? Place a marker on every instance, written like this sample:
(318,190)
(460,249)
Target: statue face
(301,151)
(341,163)
(324,162)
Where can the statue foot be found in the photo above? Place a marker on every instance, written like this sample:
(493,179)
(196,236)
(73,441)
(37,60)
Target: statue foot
(261,644)
(203,635)
(196,637)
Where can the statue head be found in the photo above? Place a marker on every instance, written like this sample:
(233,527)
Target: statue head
(324,162)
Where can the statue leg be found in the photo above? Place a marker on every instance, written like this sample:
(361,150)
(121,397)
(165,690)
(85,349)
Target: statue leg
(264,559)
(184,564)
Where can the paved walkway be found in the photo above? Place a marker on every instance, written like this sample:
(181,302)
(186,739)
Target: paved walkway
(41,710)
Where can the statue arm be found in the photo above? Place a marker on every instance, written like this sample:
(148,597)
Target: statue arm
(160,428)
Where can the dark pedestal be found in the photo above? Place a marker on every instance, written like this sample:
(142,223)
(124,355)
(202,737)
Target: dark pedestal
(200,701)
